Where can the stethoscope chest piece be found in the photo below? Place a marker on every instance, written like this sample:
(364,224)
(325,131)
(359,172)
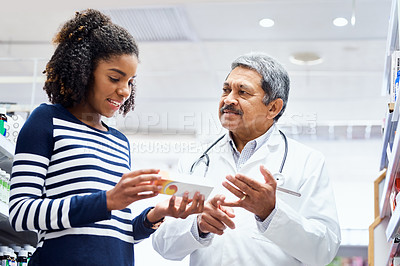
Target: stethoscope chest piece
(280,179)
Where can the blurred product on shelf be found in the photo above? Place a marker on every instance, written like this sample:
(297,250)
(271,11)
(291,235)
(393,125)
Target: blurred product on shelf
(348,261)
(3,121)
(15,255)
(4,186)
(396,261)
(13,126)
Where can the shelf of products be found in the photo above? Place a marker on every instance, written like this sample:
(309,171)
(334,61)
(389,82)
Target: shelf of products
(390,156)
(7,233)
(6,154)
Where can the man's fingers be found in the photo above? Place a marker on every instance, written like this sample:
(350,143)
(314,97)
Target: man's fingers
(246,183)
(268,177)
(212,224)
(216,200)
(206,225)
(233,189)
(232,203)
(228,211)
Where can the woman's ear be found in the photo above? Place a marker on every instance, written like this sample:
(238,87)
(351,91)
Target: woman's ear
(274,108)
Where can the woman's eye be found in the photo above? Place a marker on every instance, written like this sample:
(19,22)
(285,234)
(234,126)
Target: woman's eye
(114,79)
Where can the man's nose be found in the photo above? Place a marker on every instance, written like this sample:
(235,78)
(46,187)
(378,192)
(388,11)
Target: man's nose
(230,99)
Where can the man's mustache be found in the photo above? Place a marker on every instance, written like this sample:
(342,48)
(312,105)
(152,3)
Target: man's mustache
(230,108)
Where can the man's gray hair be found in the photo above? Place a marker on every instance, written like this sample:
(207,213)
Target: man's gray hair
(275,80)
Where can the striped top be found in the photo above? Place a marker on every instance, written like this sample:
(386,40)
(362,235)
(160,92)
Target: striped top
(62,169)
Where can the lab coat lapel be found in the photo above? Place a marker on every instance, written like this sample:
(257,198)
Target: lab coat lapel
(225,154)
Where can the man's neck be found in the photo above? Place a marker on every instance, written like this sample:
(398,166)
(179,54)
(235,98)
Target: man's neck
(241,140)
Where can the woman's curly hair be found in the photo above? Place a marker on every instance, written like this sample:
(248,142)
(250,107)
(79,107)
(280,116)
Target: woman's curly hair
(81,43)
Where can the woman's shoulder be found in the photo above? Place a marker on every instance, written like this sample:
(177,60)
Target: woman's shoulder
(44,110)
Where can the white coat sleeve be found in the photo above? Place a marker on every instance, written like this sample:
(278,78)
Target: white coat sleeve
(174,239)
(310,234)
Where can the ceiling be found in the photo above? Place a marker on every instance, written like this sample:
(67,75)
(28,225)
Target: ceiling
(179,79)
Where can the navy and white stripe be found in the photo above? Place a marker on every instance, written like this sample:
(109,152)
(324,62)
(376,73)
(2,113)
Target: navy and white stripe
(61,172)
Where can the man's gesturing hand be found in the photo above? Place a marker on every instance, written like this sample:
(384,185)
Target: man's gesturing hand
(215,218)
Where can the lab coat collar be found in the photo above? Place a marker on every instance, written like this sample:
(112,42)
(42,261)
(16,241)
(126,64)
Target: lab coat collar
(270,146)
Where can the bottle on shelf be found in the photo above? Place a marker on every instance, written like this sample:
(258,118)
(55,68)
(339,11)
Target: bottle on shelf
(4,186)
(2,191)
(3,121)
(22,259)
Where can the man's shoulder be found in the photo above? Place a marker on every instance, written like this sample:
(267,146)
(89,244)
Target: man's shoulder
(303,149)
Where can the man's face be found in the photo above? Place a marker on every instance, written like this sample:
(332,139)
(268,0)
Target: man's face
(242,110)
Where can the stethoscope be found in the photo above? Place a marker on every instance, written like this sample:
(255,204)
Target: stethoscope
(279,177)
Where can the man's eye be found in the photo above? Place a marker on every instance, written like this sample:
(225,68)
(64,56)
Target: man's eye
(225,90)
(243,92)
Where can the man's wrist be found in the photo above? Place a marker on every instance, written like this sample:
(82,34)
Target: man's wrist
(201,233)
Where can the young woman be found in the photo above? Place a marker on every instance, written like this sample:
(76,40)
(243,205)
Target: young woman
(71,178)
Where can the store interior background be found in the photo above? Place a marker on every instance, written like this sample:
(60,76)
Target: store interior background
(186,47)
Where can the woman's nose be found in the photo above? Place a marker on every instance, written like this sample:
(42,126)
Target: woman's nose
(124,91)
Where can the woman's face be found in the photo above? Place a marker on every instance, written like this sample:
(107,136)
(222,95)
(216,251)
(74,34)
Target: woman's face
(113,82)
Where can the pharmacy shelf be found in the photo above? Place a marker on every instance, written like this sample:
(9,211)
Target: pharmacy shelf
(393,225)
(7,149)
(3,211)
(7,233)
(387,140)
(392,169)
(393,250)
(390,154)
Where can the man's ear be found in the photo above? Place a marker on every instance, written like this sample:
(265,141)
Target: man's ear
(274,108)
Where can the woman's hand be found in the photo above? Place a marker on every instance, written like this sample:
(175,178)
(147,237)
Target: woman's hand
(133,186)
(177,207)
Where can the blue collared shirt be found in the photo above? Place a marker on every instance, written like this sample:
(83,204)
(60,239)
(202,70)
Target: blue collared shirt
(250,148)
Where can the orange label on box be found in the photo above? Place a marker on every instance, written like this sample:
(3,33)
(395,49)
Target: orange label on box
(178,188)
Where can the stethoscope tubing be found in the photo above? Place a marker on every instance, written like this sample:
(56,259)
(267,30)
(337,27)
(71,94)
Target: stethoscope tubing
(207,158)
(279,176)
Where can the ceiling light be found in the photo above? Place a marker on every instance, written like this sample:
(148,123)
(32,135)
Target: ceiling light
(340,22)
(266,23)
(305,58)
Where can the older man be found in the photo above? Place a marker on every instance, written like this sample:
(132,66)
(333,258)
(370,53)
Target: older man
(254,217)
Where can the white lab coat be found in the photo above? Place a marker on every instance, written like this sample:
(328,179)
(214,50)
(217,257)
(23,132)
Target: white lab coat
(304,231)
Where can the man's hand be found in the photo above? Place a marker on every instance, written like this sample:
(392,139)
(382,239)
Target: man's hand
(258,198)
(215,218)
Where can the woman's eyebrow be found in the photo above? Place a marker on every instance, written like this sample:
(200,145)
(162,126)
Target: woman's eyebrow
(118,71)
